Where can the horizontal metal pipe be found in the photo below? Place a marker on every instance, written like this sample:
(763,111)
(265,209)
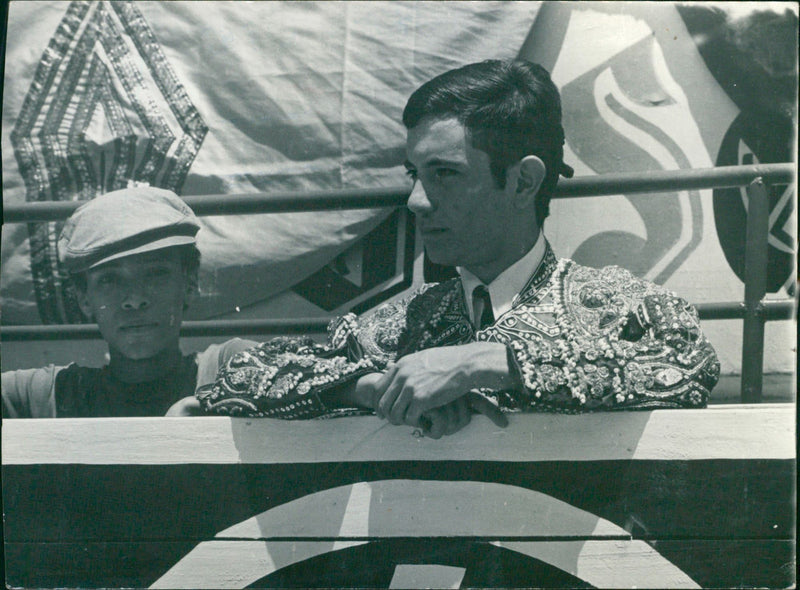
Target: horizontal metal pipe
(773,310)
(188,329)
(284,202)
(672,180)
(720,311)
(253,327)
(235,204)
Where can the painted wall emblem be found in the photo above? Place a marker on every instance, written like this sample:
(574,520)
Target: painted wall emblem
(750,141)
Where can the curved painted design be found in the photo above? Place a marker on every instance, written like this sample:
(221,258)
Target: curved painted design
(591,548)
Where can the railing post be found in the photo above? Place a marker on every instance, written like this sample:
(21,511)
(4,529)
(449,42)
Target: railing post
(755,287)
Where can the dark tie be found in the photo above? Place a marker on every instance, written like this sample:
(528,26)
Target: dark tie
(482,307)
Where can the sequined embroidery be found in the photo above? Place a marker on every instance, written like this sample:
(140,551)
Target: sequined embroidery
(582,339)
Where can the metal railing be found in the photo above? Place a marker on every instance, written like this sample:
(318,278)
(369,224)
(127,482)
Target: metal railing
(754,310)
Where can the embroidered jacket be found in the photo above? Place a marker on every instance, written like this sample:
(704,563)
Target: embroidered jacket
(583,339)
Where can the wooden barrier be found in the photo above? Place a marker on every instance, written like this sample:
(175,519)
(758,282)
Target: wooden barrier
(668,498)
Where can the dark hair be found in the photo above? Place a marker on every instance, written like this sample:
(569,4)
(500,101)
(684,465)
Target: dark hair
(510,109)
(190,262)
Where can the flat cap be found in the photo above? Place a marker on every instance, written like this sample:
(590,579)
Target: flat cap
(122,223)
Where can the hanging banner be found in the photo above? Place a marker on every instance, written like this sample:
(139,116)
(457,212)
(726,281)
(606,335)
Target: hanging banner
(224,98)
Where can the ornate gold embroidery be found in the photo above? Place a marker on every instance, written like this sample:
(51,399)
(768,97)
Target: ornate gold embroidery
(583,339)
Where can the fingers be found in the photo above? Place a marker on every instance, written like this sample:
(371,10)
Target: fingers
(397,399)
(483,406)
(402,397)
(458,417)
(437,419)
(434,423)
(381,402)
(454,414)
(423,380)
(446,420)
(413,413)
(397,414)
(425,423)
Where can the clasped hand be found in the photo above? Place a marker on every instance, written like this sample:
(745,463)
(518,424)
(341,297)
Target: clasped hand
(434,389)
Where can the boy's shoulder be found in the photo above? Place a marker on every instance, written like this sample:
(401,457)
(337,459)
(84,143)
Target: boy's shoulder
(30,393)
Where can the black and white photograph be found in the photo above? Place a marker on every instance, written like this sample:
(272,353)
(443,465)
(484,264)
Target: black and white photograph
(399,294)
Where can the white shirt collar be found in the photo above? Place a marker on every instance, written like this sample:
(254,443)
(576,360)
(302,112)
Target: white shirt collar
(508,283)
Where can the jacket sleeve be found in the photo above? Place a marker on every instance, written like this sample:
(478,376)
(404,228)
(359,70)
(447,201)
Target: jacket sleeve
(294,378)
(637,348)
(215,356)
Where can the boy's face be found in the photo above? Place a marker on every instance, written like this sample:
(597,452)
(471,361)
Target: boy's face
(138,301)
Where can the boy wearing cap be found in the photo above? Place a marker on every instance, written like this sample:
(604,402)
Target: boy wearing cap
(134,261)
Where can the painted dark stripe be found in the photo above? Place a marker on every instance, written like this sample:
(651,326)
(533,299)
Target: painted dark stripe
(712,564)
(649,499)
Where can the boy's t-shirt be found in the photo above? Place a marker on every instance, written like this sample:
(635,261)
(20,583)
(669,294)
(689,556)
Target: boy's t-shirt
(83,392)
